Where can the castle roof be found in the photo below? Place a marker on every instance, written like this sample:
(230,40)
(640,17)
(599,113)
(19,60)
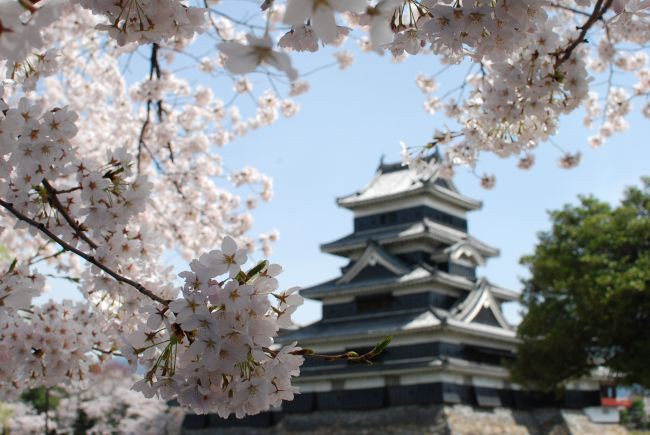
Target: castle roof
(421,274)
(394,181)
(394,323)
(424,229)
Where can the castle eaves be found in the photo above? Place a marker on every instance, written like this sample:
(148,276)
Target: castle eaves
(401,233)
(389,186)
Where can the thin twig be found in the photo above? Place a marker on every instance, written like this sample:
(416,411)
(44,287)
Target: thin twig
(351,356)
(107,352)
(35,259)
(65,277)
(570,9)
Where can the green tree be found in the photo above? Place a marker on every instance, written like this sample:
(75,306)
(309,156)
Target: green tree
(42,399)
(587,300)
(635,417)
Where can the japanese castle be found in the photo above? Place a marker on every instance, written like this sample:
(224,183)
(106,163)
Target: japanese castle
(412,274)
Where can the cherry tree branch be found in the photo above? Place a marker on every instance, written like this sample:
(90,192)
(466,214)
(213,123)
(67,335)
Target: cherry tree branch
(351,356)
(54,202)
(89,258)
(71,189)
(154,69)
(599,9)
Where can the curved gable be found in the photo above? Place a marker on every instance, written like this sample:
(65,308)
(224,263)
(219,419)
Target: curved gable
(375,261)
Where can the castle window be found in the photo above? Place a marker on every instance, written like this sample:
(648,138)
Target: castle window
(369,304)
(487,397)
(460,270)
(412,214)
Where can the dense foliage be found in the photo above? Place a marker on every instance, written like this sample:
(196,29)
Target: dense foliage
(587,299)
(635,418)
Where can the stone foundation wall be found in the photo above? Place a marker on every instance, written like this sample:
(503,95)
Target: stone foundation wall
(578,423)
(428,420)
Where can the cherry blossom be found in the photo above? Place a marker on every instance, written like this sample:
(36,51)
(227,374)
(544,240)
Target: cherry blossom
(245,58)
(320,13)
(20,25)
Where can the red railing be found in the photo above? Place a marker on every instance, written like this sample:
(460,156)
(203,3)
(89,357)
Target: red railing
(614,402)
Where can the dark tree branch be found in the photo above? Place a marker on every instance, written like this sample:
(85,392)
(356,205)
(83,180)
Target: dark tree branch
(71,189)
(89,258)
(599,10)
(54,202)
(154,70)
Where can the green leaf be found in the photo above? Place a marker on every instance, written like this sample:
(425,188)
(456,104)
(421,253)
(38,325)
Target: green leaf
(241,277)
(379,348)
(4,253)
(257,269)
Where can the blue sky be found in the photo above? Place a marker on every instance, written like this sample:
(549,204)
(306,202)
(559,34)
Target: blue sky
(350,119)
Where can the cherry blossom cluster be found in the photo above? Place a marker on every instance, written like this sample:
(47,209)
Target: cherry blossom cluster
(21,24)
(125,21)
(517,98)
(23,418)
(512,109)
(18,286)
(110,406)
(78,206)
(213,349)
(95,211)
(51,345)
(451,28)
(148,20)
(173,129)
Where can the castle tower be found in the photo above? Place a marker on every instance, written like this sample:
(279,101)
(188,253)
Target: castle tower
(412,274)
